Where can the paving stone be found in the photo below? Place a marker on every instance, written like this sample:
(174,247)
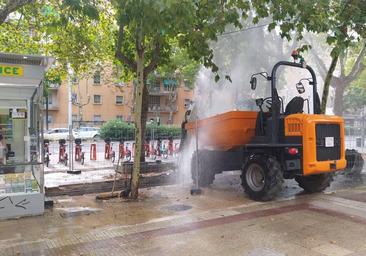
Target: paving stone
(332,250)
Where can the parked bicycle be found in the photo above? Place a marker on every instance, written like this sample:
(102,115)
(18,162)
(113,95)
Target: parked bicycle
(63,157)
(79,154)
(164,152)
(128,153)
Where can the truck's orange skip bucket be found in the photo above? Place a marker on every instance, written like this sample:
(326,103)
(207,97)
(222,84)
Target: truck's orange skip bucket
(225,131)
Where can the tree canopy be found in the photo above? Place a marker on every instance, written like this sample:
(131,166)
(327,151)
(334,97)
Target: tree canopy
(343,21)
(75,32)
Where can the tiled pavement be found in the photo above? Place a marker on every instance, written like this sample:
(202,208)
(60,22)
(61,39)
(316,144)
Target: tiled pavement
(219,222)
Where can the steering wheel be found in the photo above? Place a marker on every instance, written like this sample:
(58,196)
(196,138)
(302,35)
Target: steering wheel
(267,102)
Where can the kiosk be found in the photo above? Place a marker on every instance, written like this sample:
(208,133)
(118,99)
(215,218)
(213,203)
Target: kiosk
(21,134)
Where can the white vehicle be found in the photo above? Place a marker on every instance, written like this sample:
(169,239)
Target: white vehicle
(57,134)
(85,133)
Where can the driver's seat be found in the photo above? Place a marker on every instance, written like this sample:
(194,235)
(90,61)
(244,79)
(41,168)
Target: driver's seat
(295,106)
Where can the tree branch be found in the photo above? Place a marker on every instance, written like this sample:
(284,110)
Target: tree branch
(342,58)
(320,63)
(119,54)
(154,59)
(12,6)
(358,66)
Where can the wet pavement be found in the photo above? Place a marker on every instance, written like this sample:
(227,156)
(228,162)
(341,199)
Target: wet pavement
(222,221)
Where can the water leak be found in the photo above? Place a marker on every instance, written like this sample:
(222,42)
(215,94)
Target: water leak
(177,207)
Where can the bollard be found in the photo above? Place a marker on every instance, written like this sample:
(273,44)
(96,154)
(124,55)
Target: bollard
(77,149)
(147,147)
(61,150)
(107,151)
(121,150)
(93,151)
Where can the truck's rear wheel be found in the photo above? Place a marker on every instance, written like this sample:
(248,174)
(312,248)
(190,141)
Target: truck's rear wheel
(262,177)
(355,162)
(315,183)
(206,174)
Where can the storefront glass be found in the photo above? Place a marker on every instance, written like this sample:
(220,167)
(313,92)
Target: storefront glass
(20,158)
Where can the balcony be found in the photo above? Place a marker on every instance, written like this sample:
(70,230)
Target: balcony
(161,91)
(167,87)
(162,109)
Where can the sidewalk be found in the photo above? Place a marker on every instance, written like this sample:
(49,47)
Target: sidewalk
(222,221)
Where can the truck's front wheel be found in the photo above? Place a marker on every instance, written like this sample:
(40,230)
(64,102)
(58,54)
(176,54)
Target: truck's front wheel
(262,177)
(206,174)
(315,183)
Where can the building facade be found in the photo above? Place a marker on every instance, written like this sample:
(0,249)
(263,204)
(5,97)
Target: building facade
(97,100)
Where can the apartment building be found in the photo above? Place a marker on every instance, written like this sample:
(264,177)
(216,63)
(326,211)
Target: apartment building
(97,99)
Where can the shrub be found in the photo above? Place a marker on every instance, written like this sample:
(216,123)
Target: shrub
(120,130)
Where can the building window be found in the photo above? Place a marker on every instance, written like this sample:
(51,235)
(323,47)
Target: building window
(119,100)
(50,99)
(97,99)
(119,117)
(154,102)
(97,118)
(96,78)
(187,103)
(74,117)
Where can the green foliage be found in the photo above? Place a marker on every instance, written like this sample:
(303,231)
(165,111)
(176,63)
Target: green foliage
(192,24)
(180,66)
(355,95)
(355,99)
(343,21)
(73,31)
(117,130)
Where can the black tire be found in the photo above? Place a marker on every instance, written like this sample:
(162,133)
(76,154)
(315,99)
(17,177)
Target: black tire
(206,173)
(355,163)
(128,157)
(165,155)
(262,177)
(315,183)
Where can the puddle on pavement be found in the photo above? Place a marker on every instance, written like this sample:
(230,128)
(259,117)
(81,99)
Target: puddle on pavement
(177,207)
(76,211)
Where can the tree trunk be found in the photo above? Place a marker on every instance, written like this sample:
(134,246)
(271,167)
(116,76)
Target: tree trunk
(145,108)
(138,126)
(47,112)
(338,98)
(327,81)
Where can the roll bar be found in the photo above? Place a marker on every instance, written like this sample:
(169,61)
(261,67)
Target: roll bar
(274,94)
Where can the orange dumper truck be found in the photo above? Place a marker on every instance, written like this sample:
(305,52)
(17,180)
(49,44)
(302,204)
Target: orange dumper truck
(270,146)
